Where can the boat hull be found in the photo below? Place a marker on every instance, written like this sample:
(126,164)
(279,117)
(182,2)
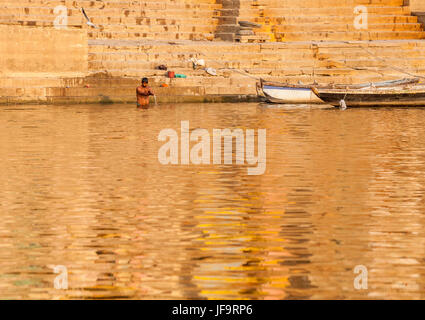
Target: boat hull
(374,99)
(290,95)
(403,92)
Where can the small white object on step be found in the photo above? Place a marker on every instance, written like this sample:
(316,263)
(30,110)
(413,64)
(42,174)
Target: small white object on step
(211,71)
(91,24)
(198,63)
(342,105)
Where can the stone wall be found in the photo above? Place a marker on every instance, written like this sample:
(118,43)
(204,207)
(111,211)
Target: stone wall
(418,9)
(42,50)
(417,5)
(33,59)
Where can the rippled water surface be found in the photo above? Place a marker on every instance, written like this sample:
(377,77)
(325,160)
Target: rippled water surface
(81,186)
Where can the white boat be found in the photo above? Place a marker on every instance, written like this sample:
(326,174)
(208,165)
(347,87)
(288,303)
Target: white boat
(287,94)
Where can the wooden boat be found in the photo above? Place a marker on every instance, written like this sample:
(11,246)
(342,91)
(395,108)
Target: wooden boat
(275,92)
(378,93)
(401,95)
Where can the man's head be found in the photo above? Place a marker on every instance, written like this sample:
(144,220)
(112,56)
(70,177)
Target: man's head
(145,82)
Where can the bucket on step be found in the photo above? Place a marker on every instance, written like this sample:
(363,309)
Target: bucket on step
(171,74)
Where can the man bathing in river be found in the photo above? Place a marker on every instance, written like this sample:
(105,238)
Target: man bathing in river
(143,93)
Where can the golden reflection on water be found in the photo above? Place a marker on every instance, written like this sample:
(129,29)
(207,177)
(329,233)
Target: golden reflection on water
(81,186)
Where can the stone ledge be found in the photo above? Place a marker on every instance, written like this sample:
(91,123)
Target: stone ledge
(61,100)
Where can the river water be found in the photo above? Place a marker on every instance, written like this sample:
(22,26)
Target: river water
(82,187)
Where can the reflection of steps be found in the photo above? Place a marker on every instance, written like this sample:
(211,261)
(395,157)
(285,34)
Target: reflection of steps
(304,20)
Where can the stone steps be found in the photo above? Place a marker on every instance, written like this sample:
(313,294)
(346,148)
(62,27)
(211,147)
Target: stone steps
(342,19)
(180,19)
(346,36)
(347,27)
(332,11)
(78,18)
(105,4)
(124,35)
(320,3)
(157,27)
(326,20)
(283,20)
(197,33)
(249,64)
(289,20)
(331,60)
(279,36)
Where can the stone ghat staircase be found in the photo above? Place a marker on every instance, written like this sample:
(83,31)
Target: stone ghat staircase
(281,20)
(120,19)
(328,20)
(117,66)
(323,62)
